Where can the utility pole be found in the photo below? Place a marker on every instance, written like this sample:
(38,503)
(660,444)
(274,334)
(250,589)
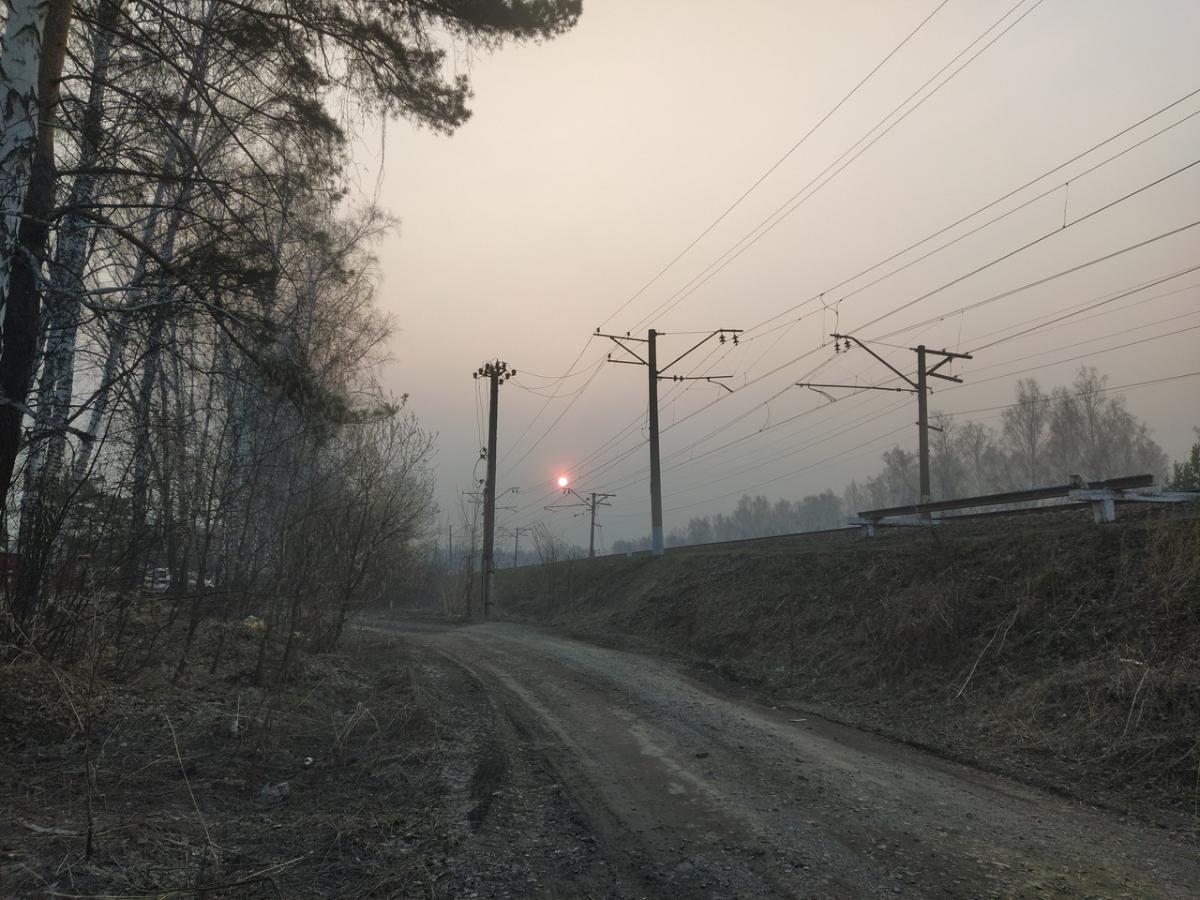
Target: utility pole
(496,373)
(655,375)
(592,531)
(656,516)
(594,499)
(517,544)
(923,422)
(920,387)
(472,526)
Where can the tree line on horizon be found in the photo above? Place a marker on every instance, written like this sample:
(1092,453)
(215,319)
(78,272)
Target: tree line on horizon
(1044,437)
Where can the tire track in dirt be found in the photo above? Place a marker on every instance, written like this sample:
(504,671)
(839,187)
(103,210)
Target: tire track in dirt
(694,794)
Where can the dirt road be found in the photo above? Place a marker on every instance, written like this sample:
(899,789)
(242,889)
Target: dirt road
(695,794)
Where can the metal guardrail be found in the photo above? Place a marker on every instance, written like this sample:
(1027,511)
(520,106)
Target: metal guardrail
(1101,496)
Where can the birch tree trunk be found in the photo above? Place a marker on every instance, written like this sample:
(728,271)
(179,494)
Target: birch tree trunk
(63,299)
(31,61)
(159,208)
(20,63)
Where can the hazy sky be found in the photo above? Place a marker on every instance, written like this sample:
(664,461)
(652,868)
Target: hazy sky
(593,160)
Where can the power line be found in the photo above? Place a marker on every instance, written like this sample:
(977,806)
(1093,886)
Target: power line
(976,304)
(1107,389)
(513,446)
(1038,240)
(1062,318)
(1060,362)
(575,397)
(976,381)
(993,203)
(1006,256)
(554,395)
(526,373)
(1055,321)
(578,467)
(1089,305)
(841,455)
(737,202)
(796,200)
(796,146)
(1006,362)
(1012,193)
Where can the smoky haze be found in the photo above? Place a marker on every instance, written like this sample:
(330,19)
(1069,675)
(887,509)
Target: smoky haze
(591,161)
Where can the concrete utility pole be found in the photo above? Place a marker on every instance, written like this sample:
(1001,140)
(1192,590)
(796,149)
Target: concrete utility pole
(920,387)
(656,517)
(497,373)
(592,532)
(923,423)
(655,375)
(590,502)
(517,544)
(475,498)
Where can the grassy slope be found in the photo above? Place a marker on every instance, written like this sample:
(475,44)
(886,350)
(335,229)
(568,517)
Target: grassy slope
(1042,646)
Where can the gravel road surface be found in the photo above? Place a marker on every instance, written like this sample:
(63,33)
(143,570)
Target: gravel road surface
(691,792)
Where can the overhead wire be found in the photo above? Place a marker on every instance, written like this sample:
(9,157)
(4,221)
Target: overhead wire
(770,170)
(749,335)
(961,53)
(1078,156)
(1059,230)
(974,382)
(1149,382)
(1056,320)
(726,212)
(1047,326)
(581,473)
(1094,212)
(841,455)
(753,236)
(993,298)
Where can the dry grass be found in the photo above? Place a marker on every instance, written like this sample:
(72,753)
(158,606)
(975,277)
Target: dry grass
(185,780)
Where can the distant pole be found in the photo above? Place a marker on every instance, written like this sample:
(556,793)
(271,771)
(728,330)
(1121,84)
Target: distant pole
(592,533)
(594,499)
(923,423)
(656,374)
(656,515)
(516,545)
(920,387)
(450,546)
(496,373)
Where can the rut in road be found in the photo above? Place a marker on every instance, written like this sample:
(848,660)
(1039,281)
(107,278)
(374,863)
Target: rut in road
(702,795)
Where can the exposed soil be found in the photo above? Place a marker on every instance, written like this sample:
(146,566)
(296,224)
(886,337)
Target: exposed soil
(694,793)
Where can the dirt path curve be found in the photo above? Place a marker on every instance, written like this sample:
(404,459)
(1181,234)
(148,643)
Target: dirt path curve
(700,795)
